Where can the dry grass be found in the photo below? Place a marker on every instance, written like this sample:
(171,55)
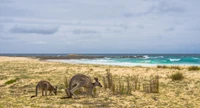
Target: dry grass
(125,88)
(177,76)
(193,68)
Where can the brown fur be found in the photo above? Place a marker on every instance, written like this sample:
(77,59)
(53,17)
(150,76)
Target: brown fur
(45,86)
(81,80)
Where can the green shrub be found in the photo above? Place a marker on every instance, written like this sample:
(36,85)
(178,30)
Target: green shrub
(66,82)
(11,81)
(161,66)
(193,68)
(177,76)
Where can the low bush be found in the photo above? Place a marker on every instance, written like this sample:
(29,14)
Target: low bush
(177,76)
(193,68)
(162,66)
(11,81)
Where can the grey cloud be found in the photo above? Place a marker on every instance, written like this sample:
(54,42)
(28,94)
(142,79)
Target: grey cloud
(140,26)
(6,38)
(170,29)
(1,27)
(10,39)
(194,29)
(129,14)
(164,7)
(84,31)
(159,8)
(124,25)
(39,42)
(34,29)
(112,30)
(6,10)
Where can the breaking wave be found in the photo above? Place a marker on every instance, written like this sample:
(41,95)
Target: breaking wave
(174,60)
(195,58)
(146,61)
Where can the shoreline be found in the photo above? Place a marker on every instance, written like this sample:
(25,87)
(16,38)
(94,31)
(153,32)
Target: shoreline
(77,56)
(75,61)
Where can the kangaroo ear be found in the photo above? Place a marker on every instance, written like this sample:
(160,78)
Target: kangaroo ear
(96,79)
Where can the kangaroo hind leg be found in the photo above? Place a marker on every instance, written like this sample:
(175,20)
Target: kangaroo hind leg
(81,84)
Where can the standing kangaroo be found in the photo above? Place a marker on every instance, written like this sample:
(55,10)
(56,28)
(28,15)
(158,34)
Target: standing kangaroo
(81,80)
(45,86)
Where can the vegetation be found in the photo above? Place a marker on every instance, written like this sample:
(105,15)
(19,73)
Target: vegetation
(176,67)
(162,66)
(11,81)
(170,67)
(177,76)
(122,86)
(193,68)
(128,84)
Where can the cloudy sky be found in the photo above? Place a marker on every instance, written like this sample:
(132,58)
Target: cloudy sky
(99,26)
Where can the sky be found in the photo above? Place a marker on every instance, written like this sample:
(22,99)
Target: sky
(99,26)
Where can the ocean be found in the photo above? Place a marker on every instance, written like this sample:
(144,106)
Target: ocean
(115,59)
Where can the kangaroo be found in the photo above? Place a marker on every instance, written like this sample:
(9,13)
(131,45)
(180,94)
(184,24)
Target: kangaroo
(45,86)
(81,80)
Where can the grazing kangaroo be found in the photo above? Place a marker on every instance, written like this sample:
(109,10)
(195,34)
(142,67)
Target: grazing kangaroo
(81,80)
(45,86)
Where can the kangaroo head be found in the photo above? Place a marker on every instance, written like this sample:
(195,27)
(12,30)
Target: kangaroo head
(55,90)
(97,83)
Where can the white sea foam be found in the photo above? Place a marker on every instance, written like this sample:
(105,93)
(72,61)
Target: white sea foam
(102,62)
(146,61)
(157,57)
(195,58)
(117,63)
(174,60)
(146,57)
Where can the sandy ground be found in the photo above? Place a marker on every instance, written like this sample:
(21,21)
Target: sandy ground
(27,72)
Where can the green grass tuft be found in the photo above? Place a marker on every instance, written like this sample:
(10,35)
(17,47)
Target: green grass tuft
(162,66)
(193,68)
(11,81)
(177,76)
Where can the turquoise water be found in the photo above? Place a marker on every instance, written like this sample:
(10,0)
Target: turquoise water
(161,60)
(146,60)
(125,60)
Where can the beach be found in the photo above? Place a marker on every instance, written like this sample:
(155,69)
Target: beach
(19,76)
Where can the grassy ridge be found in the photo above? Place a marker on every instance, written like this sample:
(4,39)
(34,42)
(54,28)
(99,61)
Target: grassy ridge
(123,86)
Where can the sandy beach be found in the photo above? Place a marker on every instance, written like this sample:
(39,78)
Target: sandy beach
(19,76)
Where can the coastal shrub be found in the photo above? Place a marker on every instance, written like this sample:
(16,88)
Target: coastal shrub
(136,85)
(109,78)
(193,68)
(177,76)
(11,81)
(66,82)
(113,88)
(176,67)
(105,83)
(152,86)
(129,88)
(161,66)
(121,88)
(91,69)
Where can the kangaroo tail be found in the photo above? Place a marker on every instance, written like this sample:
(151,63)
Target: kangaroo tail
(33,96)
(36,92)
